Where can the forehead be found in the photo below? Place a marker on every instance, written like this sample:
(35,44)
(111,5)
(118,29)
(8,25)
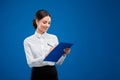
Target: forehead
(47,18)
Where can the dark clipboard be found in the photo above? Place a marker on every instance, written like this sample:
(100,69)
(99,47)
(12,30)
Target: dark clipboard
(58,51)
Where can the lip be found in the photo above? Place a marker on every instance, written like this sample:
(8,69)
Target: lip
(45,29)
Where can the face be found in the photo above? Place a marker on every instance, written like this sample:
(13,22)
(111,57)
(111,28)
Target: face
(43,24)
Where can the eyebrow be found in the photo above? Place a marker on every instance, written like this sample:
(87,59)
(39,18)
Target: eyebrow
(46,21)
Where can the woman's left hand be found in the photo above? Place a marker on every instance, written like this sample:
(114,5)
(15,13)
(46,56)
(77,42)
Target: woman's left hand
(66,51)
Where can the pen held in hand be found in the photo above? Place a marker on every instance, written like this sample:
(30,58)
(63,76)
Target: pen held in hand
(52,47)
(49,45)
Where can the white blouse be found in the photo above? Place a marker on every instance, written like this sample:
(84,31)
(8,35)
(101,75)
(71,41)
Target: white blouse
(38,46)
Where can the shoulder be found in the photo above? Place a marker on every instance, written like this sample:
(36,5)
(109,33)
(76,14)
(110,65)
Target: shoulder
(28,39)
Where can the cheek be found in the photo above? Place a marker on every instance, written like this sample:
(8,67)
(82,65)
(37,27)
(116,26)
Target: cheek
(41,27)
(42,24)
(39,24)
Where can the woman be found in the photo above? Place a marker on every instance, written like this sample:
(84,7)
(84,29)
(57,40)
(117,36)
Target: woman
(39,45)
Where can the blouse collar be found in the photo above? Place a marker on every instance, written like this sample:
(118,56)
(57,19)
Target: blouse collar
(40,35)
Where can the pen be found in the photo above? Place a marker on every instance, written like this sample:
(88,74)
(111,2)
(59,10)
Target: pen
(49,45)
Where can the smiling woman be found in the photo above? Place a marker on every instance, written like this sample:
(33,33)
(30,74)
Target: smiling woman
(43,24)
(42,20)
(37,48)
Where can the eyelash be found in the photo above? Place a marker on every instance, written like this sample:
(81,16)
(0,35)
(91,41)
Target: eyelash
(45,23)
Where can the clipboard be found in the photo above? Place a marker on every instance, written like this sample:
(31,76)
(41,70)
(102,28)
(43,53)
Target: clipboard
(57,52)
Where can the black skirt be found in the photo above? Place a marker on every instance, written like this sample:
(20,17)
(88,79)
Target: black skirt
(44,73)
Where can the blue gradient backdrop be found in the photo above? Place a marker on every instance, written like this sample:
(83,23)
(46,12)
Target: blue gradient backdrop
(92,25)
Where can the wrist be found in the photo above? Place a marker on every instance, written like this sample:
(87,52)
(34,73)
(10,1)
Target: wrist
(64,54)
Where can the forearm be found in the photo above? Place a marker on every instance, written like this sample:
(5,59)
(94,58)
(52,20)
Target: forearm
(61,60)
(34,61)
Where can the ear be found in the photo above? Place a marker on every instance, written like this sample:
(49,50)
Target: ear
(37,21)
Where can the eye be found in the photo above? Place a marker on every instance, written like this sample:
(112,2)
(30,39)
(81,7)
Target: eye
(44,22)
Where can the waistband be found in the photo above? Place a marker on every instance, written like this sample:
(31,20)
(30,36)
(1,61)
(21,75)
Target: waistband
(46,66)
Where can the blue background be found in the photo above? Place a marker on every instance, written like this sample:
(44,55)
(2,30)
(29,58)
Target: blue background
(92,25)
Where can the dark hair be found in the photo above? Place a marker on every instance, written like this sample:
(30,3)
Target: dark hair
(39,15)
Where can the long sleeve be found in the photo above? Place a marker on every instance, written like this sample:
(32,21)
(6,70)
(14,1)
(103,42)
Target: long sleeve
(61,60)
(29,56)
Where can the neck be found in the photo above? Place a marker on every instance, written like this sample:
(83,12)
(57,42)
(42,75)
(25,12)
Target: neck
(40,32)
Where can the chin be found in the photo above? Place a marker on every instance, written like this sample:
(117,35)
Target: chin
(45,30)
